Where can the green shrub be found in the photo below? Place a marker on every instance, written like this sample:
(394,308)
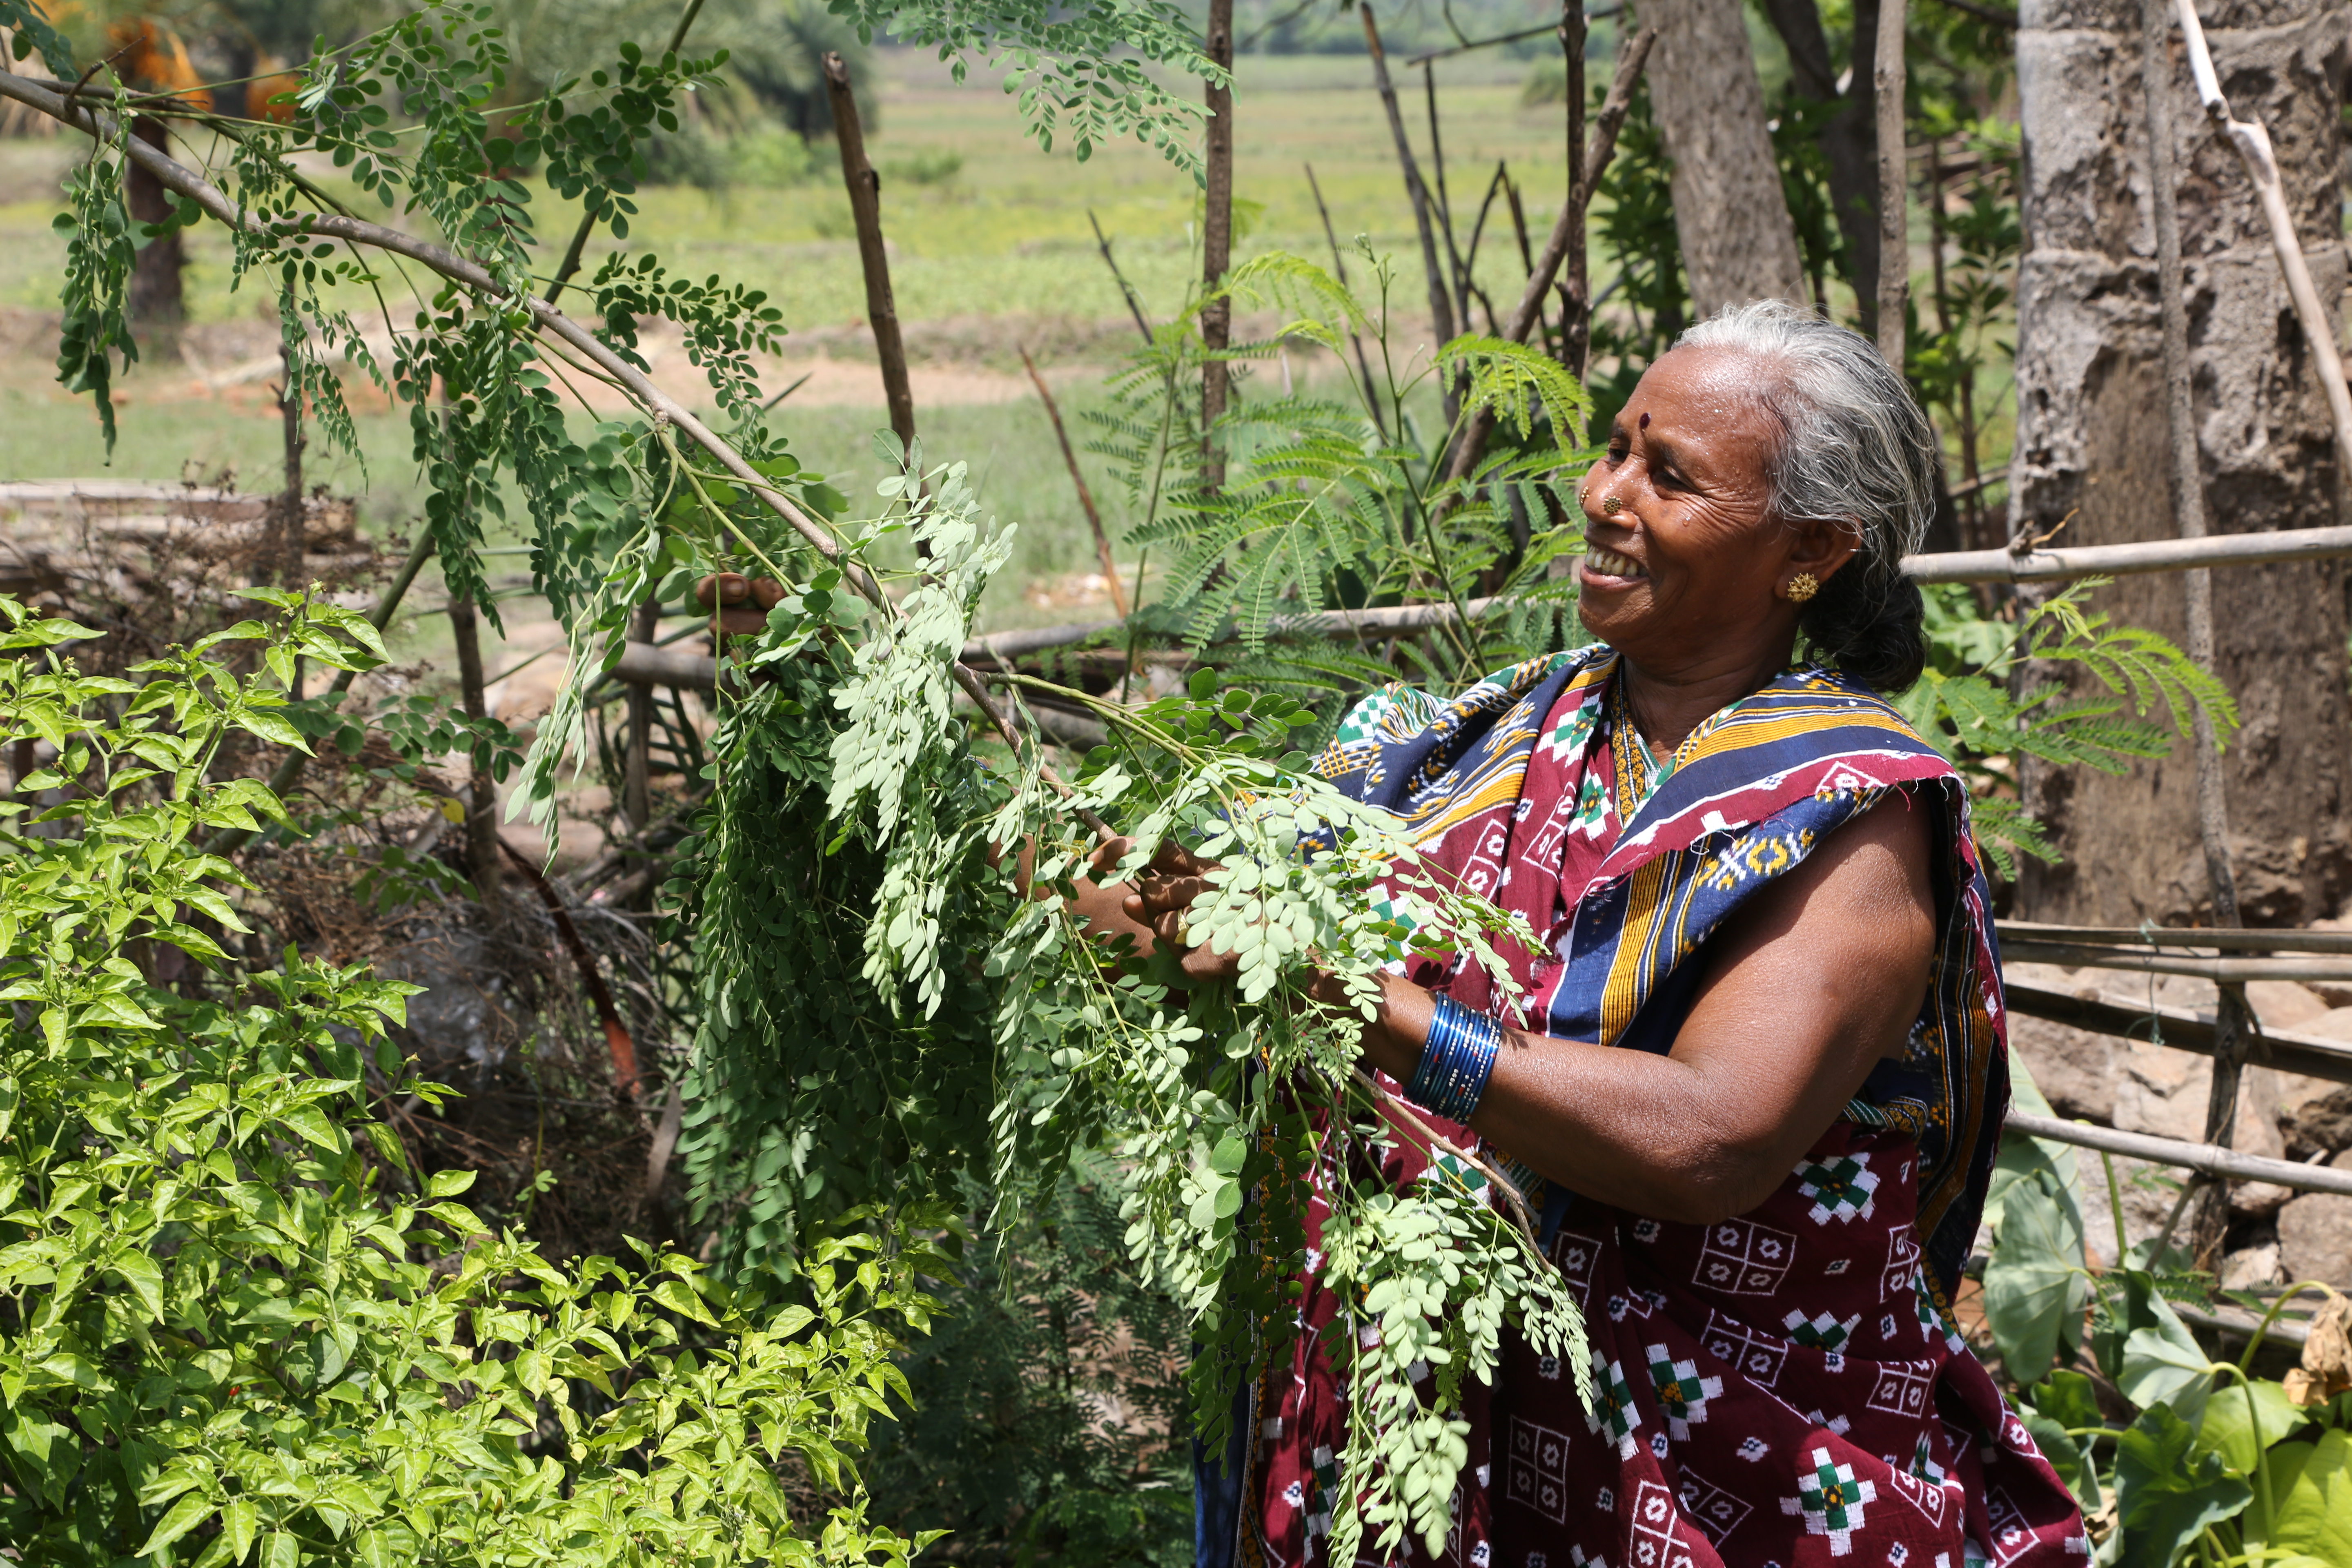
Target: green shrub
(232,1329)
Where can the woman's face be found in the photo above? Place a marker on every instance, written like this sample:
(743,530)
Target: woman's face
(1692,565)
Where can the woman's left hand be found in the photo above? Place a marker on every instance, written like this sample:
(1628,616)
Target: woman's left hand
(1160,901)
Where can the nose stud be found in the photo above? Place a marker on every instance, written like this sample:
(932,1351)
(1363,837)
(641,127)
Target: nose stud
(1610,505)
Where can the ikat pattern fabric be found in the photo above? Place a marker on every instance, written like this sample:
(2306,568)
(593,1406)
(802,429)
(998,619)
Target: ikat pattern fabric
(1783,1387)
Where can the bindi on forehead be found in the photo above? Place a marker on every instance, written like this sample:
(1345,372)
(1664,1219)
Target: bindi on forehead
(1646,421)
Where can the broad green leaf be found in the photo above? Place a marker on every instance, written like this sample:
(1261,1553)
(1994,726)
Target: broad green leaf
(2314,1515)
(2167,1492)
(2240,1414)
(2163,1364)
(182,1516)
(679,1298)
(2034,1281)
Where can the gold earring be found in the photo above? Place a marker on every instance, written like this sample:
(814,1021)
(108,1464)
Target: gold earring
(1611,504)
(1801,587)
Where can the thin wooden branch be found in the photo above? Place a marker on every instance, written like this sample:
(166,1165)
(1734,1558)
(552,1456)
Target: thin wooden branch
(2252,142)
(1894,279)
(1340,270)
(617,1034)
(1440,305)
(1134,304)
(865,188)
(1085,496)
(1405,1112)
(1598,151)
(579,246)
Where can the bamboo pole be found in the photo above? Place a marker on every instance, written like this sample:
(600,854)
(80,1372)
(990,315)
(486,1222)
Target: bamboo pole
(1954,566)
(1217,241)
(1894,226)
(2234,1018)
(2176,1028)
(1085,496)
(865,188)
(2210,1159)
(2228,973)
(2258,940)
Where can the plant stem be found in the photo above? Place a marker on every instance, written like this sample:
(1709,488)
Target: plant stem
(579,245)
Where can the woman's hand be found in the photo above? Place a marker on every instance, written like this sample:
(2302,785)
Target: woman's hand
(1151,910)
(742,603)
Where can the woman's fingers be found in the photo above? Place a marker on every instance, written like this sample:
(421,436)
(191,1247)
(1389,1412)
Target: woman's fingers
(742,603)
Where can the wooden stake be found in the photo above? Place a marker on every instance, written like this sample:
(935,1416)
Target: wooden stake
(1085,496)
(1575,330)
(865,209)
(285,567)
(1217,242)
(1894,228)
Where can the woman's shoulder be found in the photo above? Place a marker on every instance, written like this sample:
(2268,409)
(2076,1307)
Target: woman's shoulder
(1397,719)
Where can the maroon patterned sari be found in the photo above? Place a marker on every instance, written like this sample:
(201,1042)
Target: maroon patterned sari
(1782,1388)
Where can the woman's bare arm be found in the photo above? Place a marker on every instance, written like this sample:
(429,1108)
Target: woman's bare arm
(1810,987)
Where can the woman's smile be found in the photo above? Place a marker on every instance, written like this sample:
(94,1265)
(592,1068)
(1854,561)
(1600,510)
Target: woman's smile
(1605,568)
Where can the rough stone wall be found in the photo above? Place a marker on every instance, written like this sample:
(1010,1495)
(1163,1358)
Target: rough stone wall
(2091,439)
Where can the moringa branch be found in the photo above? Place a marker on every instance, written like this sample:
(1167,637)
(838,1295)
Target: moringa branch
(177,177)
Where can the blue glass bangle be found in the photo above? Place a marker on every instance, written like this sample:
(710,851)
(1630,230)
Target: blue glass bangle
(1456,1060)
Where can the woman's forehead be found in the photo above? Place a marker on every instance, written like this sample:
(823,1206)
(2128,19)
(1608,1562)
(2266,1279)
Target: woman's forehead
(1692,390)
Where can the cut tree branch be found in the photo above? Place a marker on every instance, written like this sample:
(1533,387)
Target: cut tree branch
(176,177)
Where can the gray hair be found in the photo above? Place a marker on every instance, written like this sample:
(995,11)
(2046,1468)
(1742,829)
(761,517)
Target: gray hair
(1854,449)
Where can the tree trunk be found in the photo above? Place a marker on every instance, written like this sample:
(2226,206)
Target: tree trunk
(156,293)
(1737,239)
(1849,141)
(2092,443)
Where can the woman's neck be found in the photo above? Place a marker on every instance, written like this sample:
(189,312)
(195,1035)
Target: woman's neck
(1669,703)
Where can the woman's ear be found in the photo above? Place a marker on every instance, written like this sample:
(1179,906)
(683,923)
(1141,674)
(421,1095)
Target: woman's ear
(1820,546)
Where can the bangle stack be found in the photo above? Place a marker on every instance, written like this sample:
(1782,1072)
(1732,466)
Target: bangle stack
(1456,1062)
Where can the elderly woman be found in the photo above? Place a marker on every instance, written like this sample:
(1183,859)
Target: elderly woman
(1759,1083)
